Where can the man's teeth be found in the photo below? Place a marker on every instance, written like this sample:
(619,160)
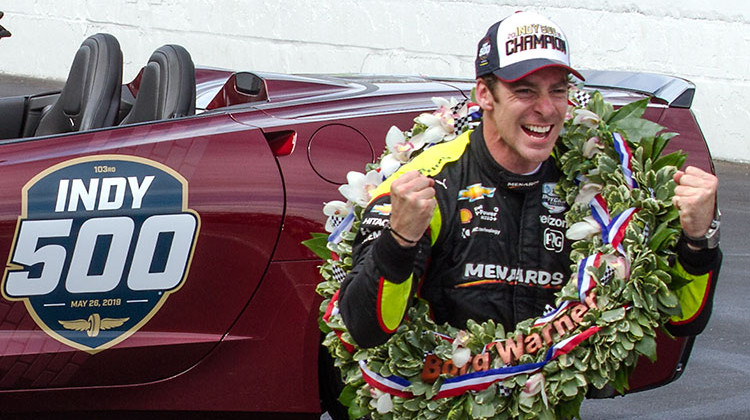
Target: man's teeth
(538,128)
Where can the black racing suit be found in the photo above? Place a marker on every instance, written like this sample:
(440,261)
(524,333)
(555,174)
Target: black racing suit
(495,249)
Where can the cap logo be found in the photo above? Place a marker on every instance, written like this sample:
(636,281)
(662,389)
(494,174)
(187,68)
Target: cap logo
(532,42)
(484,51)
(531,37)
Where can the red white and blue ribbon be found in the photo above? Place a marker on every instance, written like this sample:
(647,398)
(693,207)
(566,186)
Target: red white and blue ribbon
(613,230)
(616,228)
(565,346)
(477,381)
(621,146)
(586,281)
(393,384)
(552,315)
(600,212)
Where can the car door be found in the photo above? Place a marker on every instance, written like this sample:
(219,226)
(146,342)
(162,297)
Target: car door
(130,251)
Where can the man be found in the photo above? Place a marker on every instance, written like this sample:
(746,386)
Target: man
(468,224)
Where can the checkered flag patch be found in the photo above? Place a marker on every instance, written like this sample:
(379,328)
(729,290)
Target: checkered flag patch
(338,273)
(581,98)
(459,105)
(460,125)
(467,122)
(609,274)
(505,392)
(335,221)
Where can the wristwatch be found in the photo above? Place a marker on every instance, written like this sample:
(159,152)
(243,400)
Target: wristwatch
(711,238)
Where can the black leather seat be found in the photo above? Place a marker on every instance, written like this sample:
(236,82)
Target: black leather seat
(91,95)
(167,87)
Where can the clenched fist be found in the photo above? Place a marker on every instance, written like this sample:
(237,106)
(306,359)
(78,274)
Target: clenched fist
(695,198)
(412,206)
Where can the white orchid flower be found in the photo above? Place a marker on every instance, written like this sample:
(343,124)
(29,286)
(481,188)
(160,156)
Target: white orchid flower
(431,135)
(592,147)
(440,123)
(358,186)
(569,112)
(430,120)
(535,385)
(384,404)
(587,192)
(336,210)
(586,118)
(389,165)
(461,357)
(381,401)
(461,354)
(462,338)
(441,102)
(584,229)
(398,145)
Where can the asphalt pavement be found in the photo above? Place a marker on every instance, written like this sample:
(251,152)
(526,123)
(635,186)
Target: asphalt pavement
(716,380)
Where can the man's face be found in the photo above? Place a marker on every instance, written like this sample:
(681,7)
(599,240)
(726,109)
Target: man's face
(524,118)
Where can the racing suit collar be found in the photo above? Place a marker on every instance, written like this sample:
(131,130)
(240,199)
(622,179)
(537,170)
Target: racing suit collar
(503,177)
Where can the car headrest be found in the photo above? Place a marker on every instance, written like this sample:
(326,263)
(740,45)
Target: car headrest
(91,95)
(167,87)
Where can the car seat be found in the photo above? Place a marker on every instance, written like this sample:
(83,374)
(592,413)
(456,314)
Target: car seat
(167,87)
(91,95)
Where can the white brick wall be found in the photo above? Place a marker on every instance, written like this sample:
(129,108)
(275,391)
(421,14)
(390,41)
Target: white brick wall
(705,42)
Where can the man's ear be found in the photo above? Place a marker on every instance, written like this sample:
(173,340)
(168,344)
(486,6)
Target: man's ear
(483,95)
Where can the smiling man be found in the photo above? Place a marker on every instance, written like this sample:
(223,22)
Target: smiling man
(474,225)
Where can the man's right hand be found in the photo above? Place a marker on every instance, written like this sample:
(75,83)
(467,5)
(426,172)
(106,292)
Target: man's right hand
(412,206)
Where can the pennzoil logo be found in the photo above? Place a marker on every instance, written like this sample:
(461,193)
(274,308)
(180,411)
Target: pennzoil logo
(101,243)
(475,192)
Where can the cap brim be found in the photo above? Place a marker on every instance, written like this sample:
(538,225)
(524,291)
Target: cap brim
(520,70)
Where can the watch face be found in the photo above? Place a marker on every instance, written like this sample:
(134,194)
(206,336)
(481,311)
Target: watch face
(712,236)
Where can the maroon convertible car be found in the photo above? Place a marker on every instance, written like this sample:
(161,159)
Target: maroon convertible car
(152,230)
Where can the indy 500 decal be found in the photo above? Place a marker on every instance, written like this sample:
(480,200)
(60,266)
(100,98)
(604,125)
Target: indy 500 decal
(101,243)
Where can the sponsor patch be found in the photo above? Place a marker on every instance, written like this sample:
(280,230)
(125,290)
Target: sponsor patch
(466,216)
(468,231)
(101,243)
(476,192)
(550,200)
(554,240)
(478,274)
(486,215)
(553,221)
(382,209)
(484,52)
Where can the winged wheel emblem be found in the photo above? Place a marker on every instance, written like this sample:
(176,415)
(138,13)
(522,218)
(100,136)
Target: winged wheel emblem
(94,324)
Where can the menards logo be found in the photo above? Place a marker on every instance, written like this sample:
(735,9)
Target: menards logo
(101,243)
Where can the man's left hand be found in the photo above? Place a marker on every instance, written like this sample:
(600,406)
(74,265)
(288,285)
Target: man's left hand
(695,198)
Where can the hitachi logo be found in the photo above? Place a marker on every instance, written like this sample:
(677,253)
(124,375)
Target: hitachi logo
(512,275)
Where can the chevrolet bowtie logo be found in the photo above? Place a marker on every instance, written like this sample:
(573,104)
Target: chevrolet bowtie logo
(384,209)
(475,192)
